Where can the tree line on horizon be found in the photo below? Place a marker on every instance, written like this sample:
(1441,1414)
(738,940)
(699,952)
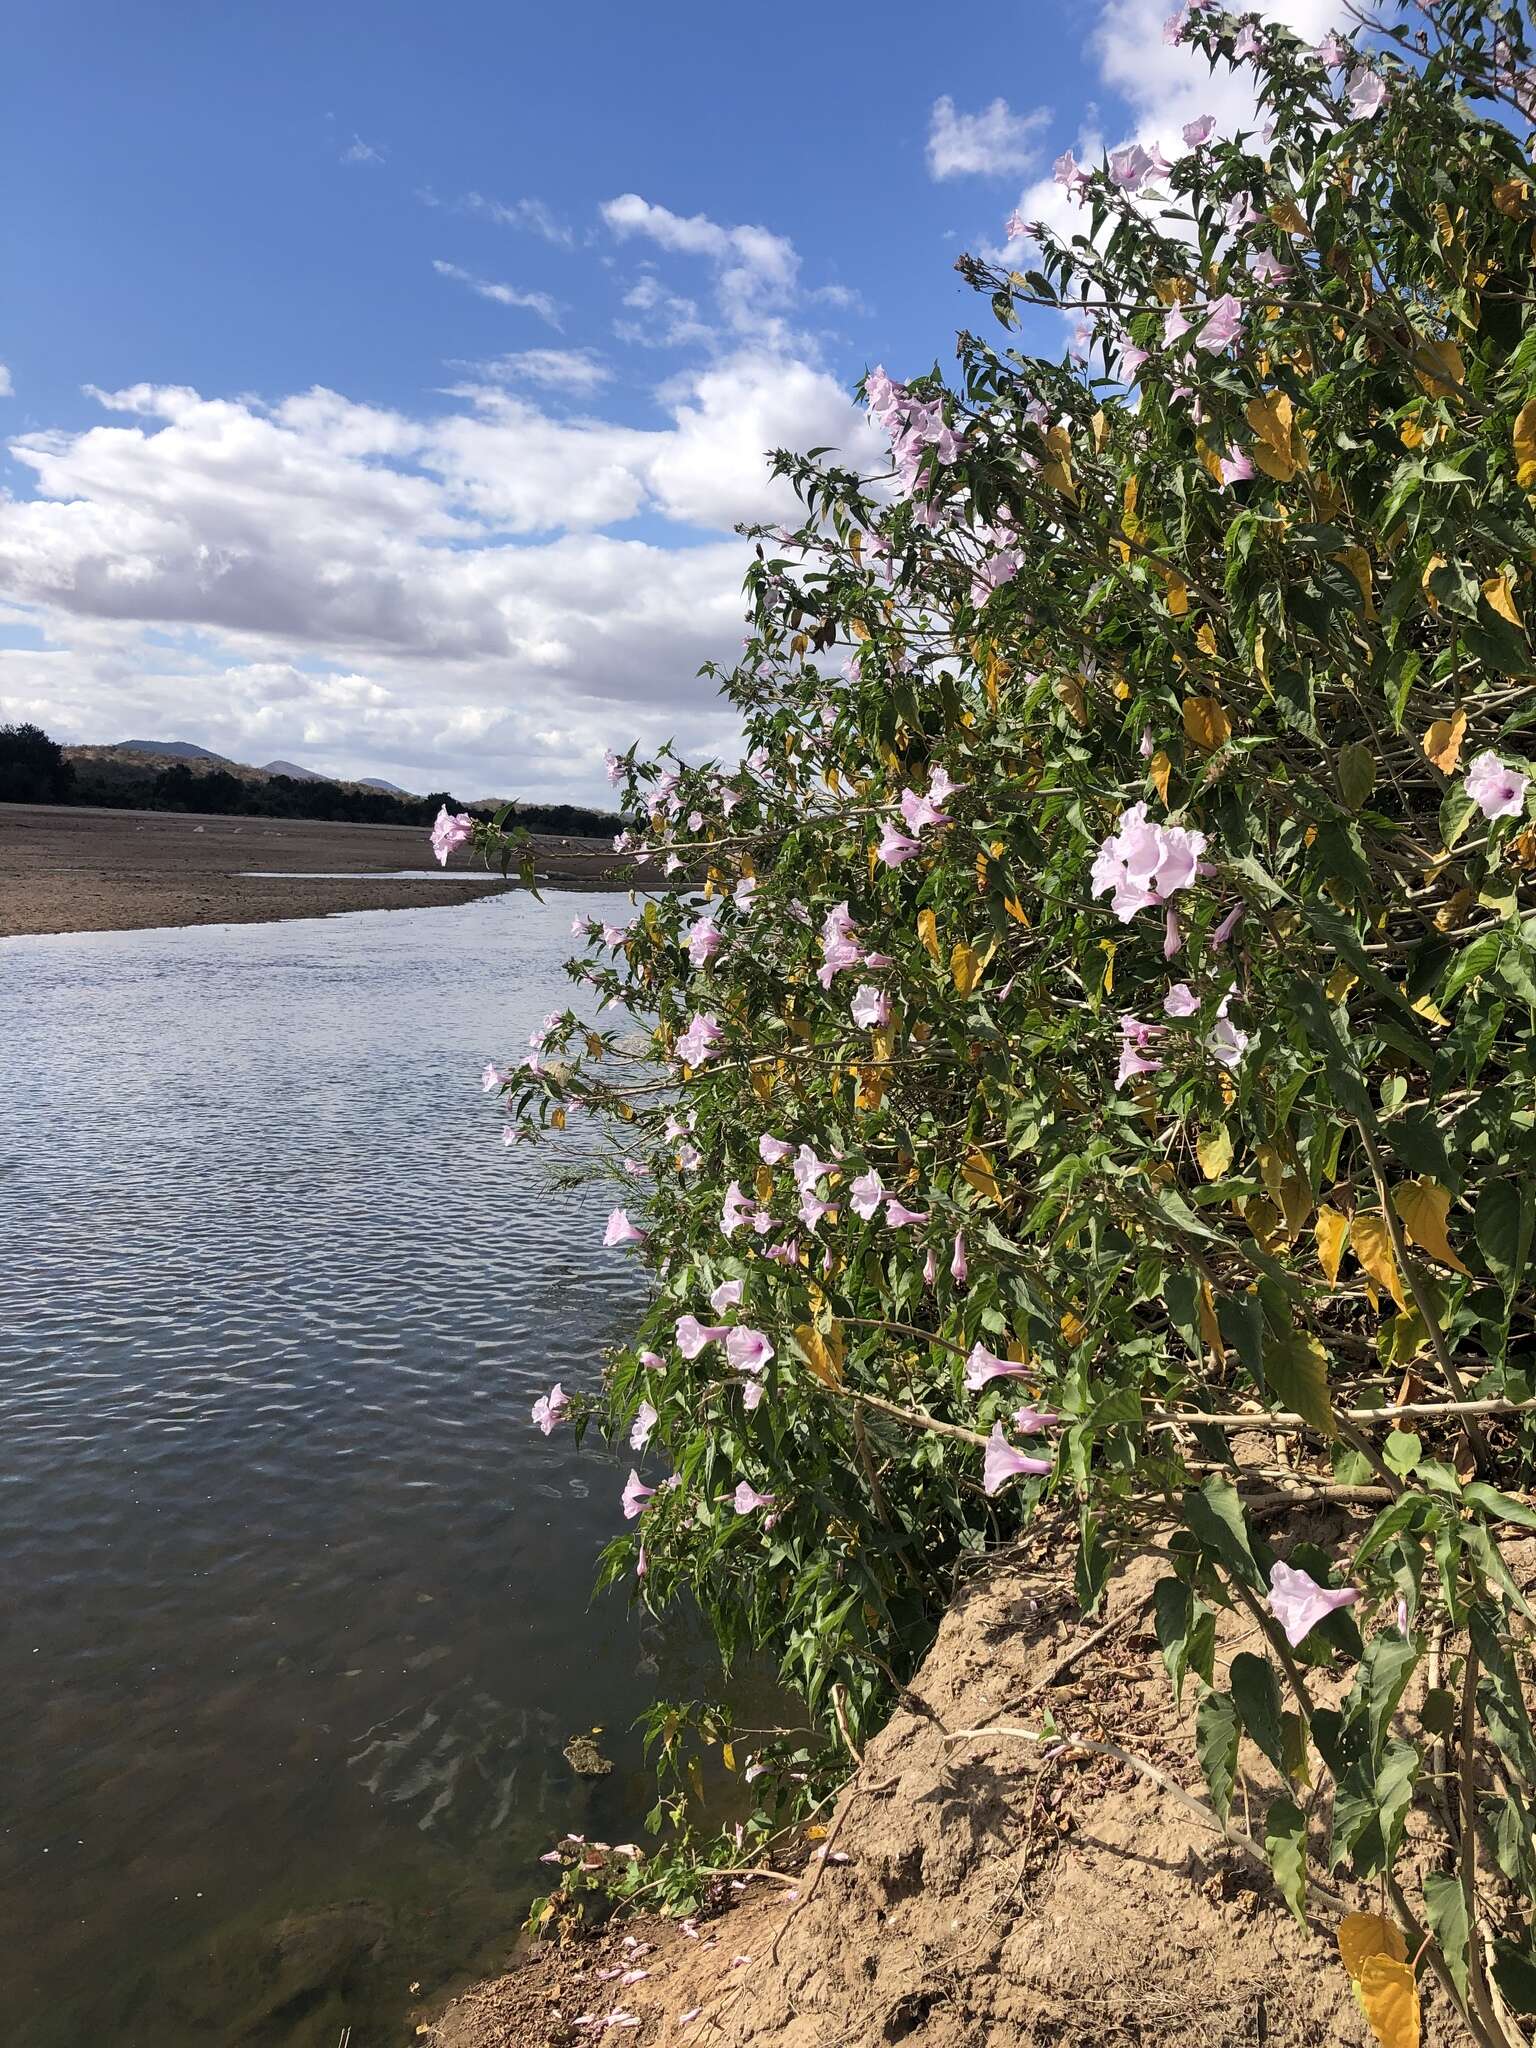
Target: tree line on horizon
(35,769)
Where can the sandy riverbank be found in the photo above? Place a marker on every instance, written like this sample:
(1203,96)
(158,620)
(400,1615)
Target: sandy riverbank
(79,870)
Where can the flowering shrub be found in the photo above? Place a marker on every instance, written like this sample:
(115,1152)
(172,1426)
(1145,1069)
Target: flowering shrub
(1098,1016)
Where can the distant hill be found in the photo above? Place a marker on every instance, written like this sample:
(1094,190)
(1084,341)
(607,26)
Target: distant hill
(306,774)
(169,750)
(389,788)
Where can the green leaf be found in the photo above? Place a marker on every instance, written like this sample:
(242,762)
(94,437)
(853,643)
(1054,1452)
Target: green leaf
(1214,1516)
(1285,1844)
(1217,1734)
(1356,766)
(1296,1367)
(1502,1223)
(1499,1696)
(1447,1910)
(1474,960)
(1186,1633)
(1503,1507)
(1256,1696)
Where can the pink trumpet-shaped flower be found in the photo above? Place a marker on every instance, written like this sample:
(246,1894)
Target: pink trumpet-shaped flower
(614,766)
(635,1496)
(491,1077)
(1367,92)
(726,1295)
(1135,1037)
(871,1007)
(747,1350)
(895,847)
(451,830)
(958,1266)
(1228,925)
(1002,1463)
(704,941)
(1498,792)
(692,1335)
(774,1151)
(700,1041)
(1141,864)
(1223,324)
(1196,132)
(653,1361)
(746,1499)
(550,1407)
(621,1231)
(1030,1420)
(1180,1001)
(808,1168)
(866,1194)
(921,811)
(1299,1603)
(735,1211)
(1173,938)
(645,1421)
(898,1216)
(983,1365)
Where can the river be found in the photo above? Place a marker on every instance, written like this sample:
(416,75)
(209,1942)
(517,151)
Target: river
(294,1601)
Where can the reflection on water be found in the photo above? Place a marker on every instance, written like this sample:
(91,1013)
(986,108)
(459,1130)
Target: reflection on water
(368,875)
(294,1604)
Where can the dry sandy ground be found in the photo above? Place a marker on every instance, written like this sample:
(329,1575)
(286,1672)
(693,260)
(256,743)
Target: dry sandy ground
(991,1897)
(69,870)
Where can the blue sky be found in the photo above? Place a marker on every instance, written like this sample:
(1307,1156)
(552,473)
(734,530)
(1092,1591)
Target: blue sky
(381,383)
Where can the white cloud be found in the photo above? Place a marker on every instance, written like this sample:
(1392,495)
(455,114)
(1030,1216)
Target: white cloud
(756,271)
(530,215)
(7,388)
(575,370)
(995,143)
(360,152)
(430,598)
(548,309)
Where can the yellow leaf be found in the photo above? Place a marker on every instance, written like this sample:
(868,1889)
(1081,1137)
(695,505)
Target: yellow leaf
(977,1172)
(728,1755)
(823,1352)
(1213,1149)
(964,968)
(762,1083)
(1358,563)
(762,1180)
(1442,743)
(1332,1232)
(1371,1243)
(1206,723)
(1288,215)
(1159,768)
(1423,1206)
(1390,1995)
(1524,438)
(1015,909)
(1210,1329)
(1286,1185)
(1177,594)
(833,780)
(928,932)
(1070,690)
(1509,197)
(856,547)
(1108,948)
(1438,367)
(1205,640)
(1339,983)
(1129,523)
(1058,470)
(1073,1328)
(815,1833)
(1272,420)
(981,872)
(1099,427)
(1363,1935)
(1210,458)
(1426,583)
(1499,593)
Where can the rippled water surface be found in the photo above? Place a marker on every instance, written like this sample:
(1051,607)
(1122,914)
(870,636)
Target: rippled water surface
(294,1604)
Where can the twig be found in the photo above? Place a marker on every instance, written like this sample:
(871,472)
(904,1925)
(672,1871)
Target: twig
(1283,1424)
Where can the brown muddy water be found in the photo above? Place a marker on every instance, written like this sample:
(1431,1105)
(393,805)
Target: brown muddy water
(294,1602)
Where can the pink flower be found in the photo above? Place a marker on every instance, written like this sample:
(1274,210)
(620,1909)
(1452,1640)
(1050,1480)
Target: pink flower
(746,1499)
(1332,52)
(491,1077)
(1141,864)
(984,1365)
(621,1231)
(550,1407)
(452,830)
(812,1209)
(808,1168)
(1070,174)
(744,893)
(692,1335)
(1223,324)
(1130,167)
(1236,466)
(958,1268)
(726,1295)
(1240,212)
(1180,1001)
(839,942)
(774,1151)
(1003,1462)
(645,1421)
(1029,1420)
(1299,1603)
(1266,268)
(1015,227)
(1367,92)
(653,1361)
(866,1194)
(751,1394)
(614,766)
(704,941)
(1135,1037)
(699,1042)
(735,1211)
(1228,925)
(871,1007)
(1172,937)
(747,1350)
(930,1268)
(1248,44)
(921,811)
(785,1254)
(1196,132)
(895,847)
(635,1496)
(898,1216)
(941,786)
(1227,1043)
(689,1158)
(1498,792)
(615,935)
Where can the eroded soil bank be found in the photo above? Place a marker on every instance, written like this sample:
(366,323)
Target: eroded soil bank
(78,870)
(990,1898)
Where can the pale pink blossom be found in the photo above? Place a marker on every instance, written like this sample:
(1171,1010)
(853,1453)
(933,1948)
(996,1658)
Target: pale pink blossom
(930,1267)
(1248,45)
(689,1158)
(1237,466)
(1299,1603)
(635,1496)
(726,1295)
(1333,53)
(1266,268)
(1227,1042)
(751,1394)
(871,1007)
(615,935)
(1130,167)
(1002,1463)
(839,942)
(491,1077)
(1070,174)
(898,1216)
(614,766)
(1030,1420)
(704,941)
(549,1408)
(1223,324)
(1141,864)
(700,1041)
(1135,1038)
(1180,1001)
(774,1151)
(1228,925)
(653,1361)
(866,1194)
(812,1209)
(1172,937)
(808,1169)
(621,1231)
(451,830)
(692,1335)
(921,811)
(747,1350)
(1498,792)
(645,1421)
(983,1365)
(895,847)
(958,1267)
(746,1500)
(1367,92)
(1196,132)
(744,893)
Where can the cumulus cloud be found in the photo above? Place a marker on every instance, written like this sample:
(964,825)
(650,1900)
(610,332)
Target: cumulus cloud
(548,309)
(995,143)
(443,598)
(7,388)
(756,272)
(575,370)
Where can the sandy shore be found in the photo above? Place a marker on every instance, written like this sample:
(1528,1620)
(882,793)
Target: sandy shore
(78,870)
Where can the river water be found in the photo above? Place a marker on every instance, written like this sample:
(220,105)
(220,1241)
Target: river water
(294,1602)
